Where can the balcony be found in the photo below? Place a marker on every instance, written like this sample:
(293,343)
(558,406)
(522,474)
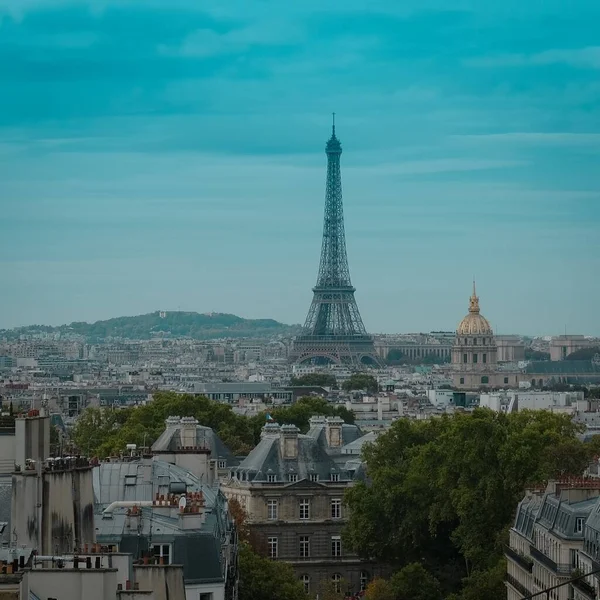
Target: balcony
(525,562)
(560,569)
(583,587)
(517,585)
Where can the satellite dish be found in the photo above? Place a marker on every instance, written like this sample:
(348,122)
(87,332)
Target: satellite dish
(182,503)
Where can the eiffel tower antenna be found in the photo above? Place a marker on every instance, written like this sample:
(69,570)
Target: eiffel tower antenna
(333,330)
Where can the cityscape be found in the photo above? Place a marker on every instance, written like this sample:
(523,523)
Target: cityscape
(194,454)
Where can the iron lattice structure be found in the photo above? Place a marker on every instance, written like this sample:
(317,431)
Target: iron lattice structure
(334,330)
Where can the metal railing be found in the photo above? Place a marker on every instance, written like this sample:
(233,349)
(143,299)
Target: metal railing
(526,562)
(561,569)
(523,590)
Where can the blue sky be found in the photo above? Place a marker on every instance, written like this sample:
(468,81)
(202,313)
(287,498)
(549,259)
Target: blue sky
(169,155)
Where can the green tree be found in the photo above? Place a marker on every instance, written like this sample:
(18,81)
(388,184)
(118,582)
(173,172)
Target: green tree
(265,579)
(394,356)
(319,379)
(379,589)
(443,492)
(361,381)
(413,582)
(301,411)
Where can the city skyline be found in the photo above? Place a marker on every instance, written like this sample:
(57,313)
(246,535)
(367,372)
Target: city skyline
(163,159)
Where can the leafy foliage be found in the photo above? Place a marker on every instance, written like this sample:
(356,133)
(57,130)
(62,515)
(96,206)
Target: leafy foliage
(361,381)
(106,431)
(536,354)
(265,579)
(173,323)
(584,354)
(443,491)
(320,379)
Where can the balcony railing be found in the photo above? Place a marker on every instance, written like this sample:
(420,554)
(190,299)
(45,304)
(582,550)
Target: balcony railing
(517,585)
(583,587)
(526,562)
(561,569)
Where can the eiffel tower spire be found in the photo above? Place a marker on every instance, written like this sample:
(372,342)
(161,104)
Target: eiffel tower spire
(333,330)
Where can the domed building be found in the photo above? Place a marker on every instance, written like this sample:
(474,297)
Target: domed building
(474,353)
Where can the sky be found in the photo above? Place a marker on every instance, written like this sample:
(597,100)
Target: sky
(170,156)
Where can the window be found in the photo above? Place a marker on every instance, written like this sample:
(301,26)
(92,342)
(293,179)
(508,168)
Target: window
(337,582)
(336,545)
(293,477)
(314,477)
(272,546)
(465,358)
(336,508)
(335,476)
(206,596)
(305,579)
(485,379)
(271,478)
(474,341)
(130,479)
(304,546)
(364,580)
(474,358)
(222,464)
(305,509)
(579,522)
(484,358)
(272,506)
(462,380)
(506,380)
(162,551)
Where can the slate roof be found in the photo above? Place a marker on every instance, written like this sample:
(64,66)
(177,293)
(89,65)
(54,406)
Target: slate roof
(318,431)
(563,367)
(170,441)
(198,550)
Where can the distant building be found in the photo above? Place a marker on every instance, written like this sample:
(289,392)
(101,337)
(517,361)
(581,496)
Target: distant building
(563,345)
(292,488)
(474,354)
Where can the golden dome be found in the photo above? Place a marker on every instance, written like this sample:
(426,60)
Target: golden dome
(474,323)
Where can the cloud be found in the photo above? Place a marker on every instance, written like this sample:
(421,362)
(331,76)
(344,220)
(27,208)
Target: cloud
(583,58)
(535,138)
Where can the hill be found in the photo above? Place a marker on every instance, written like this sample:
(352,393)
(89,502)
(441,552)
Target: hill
(165,323)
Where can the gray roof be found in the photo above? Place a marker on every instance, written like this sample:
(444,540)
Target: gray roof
(355,447)
(318,431)
(312,458)
(527,513)
(171,439)
(198,550)
(563,367)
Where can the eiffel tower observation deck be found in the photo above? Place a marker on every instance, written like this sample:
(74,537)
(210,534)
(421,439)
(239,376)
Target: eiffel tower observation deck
(334,331)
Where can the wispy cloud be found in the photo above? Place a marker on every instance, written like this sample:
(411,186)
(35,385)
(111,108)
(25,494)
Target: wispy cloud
(584,58)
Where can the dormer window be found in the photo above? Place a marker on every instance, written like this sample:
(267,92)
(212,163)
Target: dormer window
(314,477)
(293,477)
(579,523)
(335,476)
(271,478)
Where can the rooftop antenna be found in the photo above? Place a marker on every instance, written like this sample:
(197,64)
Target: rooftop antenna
(333,128)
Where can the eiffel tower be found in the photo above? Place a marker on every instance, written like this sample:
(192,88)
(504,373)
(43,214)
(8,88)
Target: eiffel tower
(334,331)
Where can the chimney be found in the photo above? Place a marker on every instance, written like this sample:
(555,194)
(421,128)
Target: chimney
(288,439)
(188,432)
(172,422)
(270,429)
(333,430)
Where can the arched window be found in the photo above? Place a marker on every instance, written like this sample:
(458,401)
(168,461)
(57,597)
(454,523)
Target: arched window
(337,582)
(364,580)
(305,579)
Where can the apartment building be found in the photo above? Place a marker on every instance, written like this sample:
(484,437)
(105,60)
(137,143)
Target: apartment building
(546,546)
(291,487)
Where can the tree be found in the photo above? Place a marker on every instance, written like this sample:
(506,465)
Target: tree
(317,379)
(413,582)
(379,589)
(443,492)
(265,579)
(240,518)
(531,354)
(394,356)
(361,381)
